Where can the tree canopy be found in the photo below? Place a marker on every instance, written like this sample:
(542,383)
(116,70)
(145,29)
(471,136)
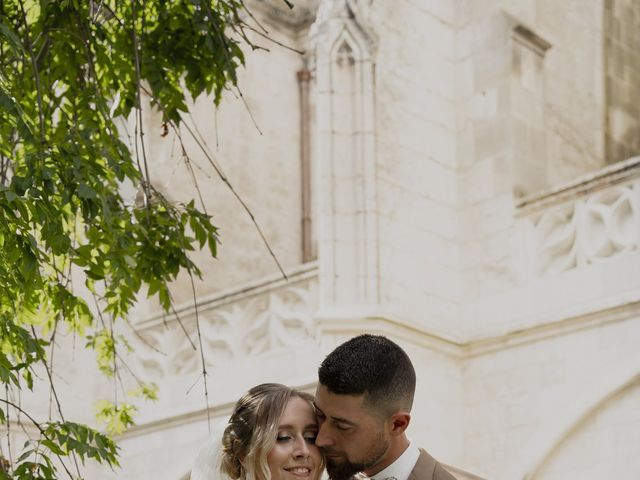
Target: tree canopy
(68,70)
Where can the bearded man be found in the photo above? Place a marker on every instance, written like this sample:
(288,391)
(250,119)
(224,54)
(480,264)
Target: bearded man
(363,402)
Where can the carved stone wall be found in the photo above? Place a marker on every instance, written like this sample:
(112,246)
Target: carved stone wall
(585,228)
(255,321)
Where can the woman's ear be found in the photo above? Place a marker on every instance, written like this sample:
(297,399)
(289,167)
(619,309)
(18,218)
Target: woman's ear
(399,422)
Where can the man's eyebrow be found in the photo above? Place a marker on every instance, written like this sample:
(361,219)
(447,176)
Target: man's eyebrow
(344,420)
(335,419)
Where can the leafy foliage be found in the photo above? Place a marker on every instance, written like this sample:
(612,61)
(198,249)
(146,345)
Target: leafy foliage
(68,70)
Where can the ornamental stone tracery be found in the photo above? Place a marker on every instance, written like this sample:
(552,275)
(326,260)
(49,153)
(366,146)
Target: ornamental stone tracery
(588,230)
(252,325)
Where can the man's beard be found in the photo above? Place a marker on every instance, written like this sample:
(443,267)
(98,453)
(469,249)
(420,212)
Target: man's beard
(343,469)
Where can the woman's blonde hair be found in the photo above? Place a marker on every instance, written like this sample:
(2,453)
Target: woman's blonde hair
(252,430)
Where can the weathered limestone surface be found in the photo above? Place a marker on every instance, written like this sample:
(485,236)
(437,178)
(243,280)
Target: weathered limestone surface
(622,78)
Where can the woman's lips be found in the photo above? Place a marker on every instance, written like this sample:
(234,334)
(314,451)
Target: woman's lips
(299,471)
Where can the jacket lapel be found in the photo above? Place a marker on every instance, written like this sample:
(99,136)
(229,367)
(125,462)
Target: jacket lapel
(424,468)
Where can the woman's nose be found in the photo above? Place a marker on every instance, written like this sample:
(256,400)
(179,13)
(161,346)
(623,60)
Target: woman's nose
(301,448)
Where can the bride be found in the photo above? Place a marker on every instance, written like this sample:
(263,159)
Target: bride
(270,436)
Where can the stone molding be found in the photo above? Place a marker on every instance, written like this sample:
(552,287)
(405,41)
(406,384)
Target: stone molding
(566,326)
(231,295)
(328,322)
(593,181)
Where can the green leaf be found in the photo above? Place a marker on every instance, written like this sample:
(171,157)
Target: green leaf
(12,38)
(10,196)
(85,191)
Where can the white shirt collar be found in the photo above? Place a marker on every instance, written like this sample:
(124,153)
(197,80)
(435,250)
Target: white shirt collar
(402,467)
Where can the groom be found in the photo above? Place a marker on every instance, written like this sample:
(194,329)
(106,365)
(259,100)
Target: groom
(363,402)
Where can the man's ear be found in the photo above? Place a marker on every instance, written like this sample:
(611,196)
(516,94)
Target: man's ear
(399,422)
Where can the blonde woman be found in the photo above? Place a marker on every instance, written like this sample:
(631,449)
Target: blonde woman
(271,436)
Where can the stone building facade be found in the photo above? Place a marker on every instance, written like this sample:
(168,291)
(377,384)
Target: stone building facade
(459,175)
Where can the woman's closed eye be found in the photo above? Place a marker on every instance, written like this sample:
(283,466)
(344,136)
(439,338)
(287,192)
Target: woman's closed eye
(283,437)
(308,437)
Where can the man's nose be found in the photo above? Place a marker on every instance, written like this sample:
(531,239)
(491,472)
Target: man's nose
(323,438)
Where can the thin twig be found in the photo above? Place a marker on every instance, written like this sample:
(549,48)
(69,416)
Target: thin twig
(115,363)
(202,140)
(244,205)
(146,184)
(97,11)
(118,379)
(130,370)
(116,375)
(6,393)
(183,150)
(179,320)
(52,342)
(55,396)
(87,43)
(223,40)
(187,163)
(113,15)
(215,119)
(35,71)
(273,40)
(142,339)
(223,177)
(246,106)
(246,9)
(193,385)
(203,363)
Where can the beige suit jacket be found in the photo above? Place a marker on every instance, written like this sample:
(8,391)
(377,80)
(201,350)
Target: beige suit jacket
(428,468)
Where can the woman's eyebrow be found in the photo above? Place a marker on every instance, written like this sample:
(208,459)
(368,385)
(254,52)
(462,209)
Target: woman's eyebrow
(292,427)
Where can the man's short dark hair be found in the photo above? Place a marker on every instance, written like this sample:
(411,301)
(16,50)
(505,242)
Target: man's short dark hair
(374,366)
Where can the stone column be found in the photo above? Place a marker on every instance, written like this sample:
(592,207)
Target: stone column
(343,69)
